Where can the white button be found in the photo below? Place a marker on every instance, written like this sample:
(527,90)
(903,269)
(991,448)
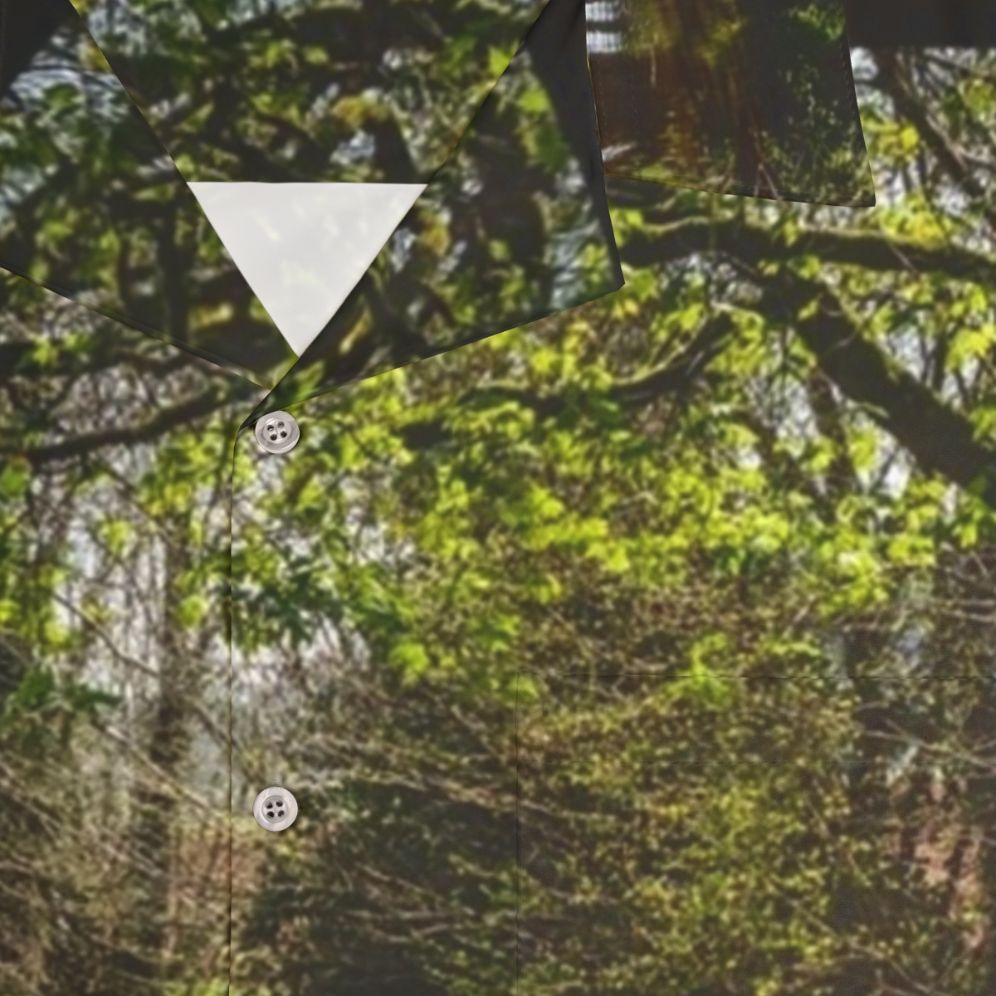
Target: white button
(275,808)
(277,432)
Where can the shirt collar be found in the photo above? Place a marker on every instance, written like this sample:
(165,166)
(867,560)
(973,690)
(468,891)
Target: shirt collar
(101,211)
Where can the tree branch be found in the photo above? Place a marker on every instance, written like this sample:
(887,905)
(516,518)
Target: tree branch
(124,435)
(867,249)
(677,376)
(940,439)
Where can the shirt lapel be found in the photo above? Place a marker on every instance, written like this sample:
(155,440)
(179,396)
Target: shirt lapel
(95,209)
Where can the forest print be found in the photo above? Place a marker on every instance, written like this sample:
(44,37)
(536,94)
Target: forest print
(645,648)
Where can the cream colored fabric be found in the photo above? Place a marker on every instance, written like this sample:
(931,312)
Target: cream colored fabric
(303,246)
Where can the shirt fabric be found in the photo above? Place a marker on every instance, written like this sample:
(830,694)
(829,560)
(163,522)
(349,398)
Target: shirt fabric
(472,649)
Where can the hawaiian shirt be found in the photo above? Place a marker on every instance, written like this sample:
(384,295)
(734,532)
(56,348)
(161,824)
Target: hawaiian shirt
(585,590)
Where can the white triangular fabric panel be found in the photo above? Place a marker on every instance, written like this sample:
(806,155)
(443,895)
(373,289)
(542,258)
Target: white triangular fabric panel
(303,246)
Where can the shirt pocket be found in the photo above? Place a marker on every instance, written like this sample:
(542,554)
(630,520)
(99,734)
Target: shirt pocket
(736,96)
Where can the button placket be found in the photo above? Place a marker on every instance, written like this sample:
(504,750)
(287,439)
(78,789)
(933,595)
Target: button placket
(274,808)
